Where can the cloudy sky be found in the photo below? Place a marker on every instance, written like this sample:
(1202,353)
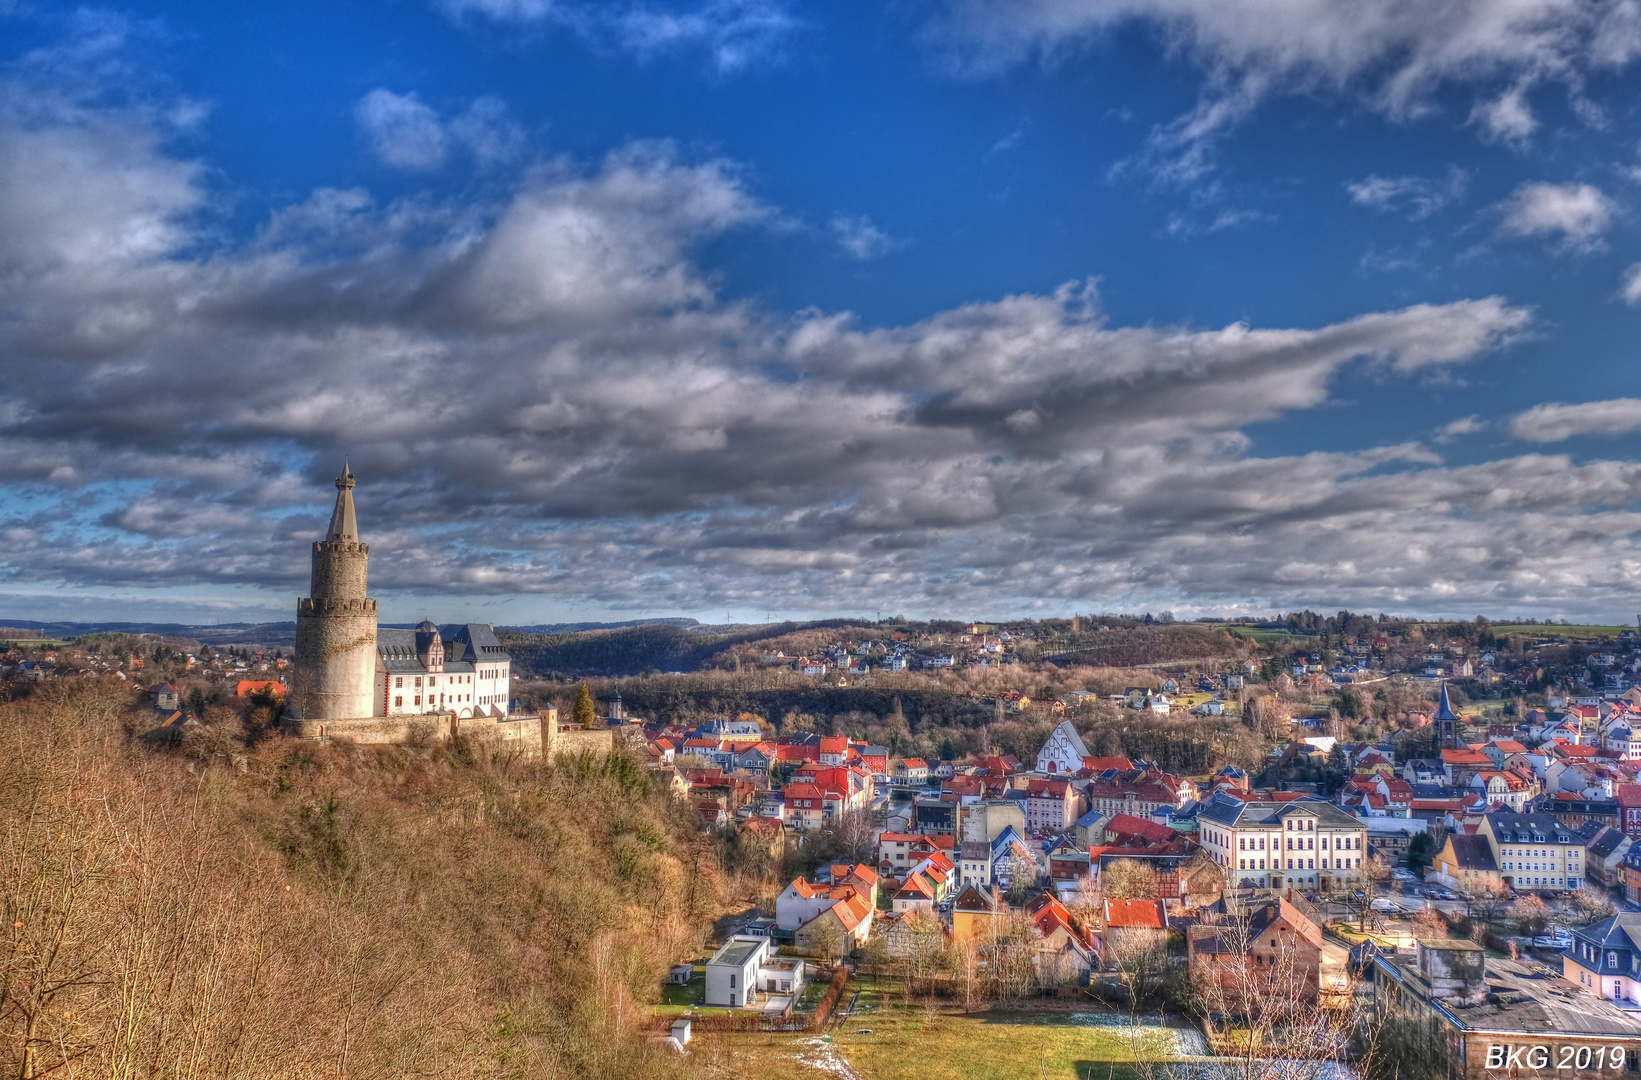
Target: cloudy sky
(780,307)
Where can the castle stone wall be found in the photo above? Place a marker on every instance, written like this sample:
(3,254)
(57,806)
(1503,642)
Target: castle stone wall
(520,734)
(386,730)
(336,656)
(339,569)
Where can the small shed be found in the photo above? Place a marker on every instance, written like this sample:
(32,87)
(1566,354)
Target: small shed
(681,975)
(681,1030)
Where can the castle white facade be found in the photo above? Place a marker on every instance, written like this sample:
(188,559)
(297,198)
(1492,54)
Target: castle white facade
(461,669)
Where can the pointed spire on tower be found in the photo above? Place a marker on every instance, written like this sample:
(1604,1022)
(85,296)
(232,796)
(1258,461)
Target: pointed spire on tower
(1444,709)
(343,524)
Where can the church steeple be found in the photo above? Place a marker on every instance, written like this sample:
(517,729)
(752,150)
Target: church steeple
(1444,708)
(343,524)
(1447,723)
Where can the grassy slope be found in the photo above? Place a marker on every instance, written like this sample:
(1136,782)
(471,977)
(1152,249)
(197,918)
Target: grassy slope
(289,909)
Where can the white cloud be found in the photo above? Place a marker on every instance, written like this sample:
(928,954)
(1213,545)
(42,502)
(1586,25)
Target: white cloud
(1630,285)
(502,10)
(402,131)
(860,239)
(1574,214)
(1393,54)
(545,397)
(1414,196)
(1468,425)
(408,134)
(1555,422)
(488,131)
(1507,118)
(734,34)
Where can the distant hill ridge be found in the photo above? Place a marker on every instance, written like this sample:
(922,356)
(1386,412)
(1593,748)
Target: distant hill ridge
(578,627)
(239,633)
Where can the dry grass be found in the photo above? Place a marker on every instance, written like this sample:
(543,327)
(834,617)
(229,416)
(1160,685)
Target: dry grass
(226,910)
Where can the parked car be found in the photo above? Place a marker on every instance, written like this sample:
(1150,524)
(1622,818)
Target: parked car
(1384,903)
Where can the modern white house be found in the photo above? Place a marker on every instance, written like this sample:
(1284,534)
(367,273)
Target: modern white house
(732,973)
(747,966)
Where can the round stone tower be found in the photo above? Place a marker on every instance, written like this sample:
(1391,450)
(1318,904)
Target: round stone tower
(336,623)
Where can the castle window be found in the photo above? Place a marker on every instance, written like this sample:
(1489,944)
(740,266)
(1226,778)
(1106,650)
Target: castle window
(398,700)
(399,683)
(418,681)
(418,699)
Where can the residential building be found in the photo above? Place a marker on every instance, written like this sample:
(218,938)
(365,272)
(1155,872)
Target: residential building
(745,965)
(732,973)
(974,863)
(916,893)
(804,806)
(1534,851)
(1463,861)
(1605,959)
(1270,947)
(1051,805)
(1460,765)
(911,772)
(1604,850)
(897,853)
(847,902)
(1628,797)
(975,913)
(1065,948)
(1138,792)
(939,816)
(834,752)
(1631,870)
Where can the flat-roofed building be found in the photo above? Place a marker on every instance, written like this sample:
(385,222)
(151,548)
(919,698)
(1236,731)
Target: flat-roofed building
(1496,1018)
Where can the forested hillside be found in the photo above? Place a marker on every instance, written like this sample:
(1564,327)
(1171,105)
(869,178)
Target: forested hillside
(229,907)
(666,647)
(640,649)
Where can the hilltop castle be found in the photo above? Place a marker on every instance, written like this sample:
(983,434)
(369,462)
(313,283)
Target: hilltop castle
(355,681)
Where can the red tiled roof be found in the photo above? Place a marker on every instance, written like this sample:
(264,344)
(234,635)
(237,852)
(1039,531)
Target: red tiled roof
(1135,914)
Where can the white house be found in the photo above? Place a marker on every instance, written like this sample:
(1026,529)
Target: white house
(746,966)
(1064,751)
(732,973)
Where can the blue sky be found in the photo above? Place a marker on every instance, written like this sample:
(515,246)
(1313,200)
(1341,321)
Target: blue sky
(776,308)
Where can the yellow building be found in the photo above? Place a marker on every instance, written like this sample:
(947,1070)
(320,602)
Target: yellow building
(1534,851)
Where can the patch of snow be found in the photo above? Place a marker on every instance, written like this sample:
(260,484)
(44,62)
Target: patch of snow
(823,1054)
(1173,1041)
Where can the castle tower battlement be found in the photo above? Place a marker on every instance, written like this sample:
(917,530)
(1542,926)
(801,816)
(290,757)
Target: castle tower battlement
(336,622)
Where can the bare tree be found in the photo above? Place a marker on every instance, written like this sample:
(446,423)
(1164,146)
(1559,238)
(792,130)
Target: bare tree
(1129,879)
(1140,958)
(1485,897)
(1255,991)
